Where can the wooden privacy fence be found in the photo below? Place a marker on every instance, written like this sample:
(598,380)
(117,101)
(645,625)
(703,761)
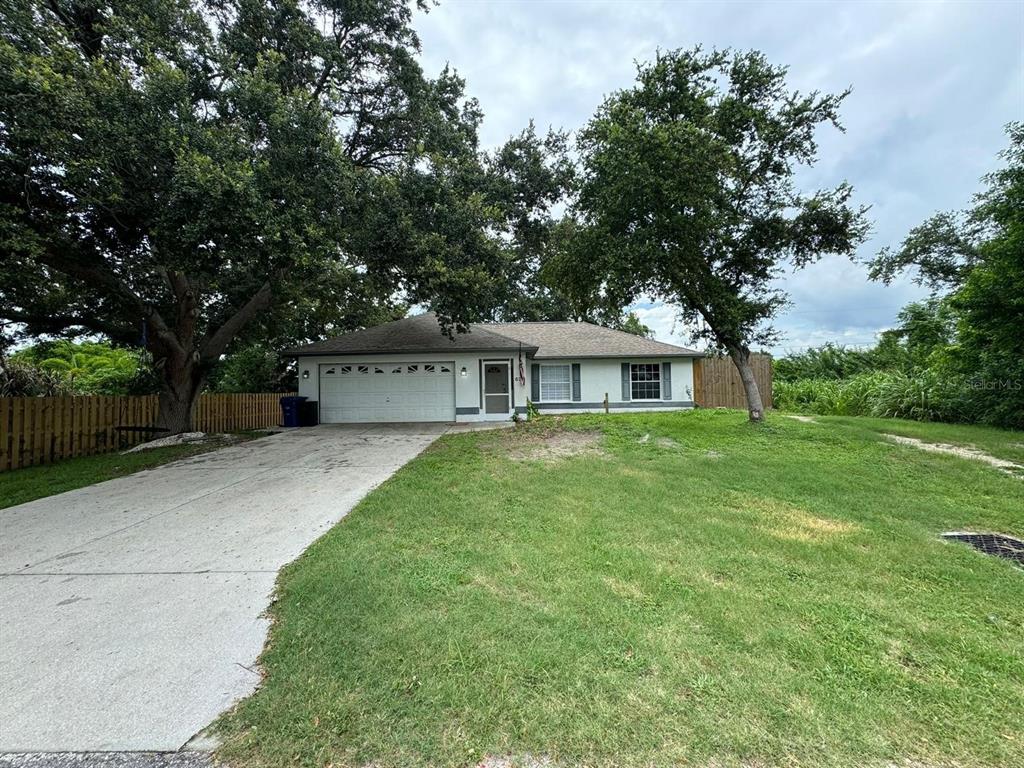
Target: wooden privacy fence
(41,430)
(716,382)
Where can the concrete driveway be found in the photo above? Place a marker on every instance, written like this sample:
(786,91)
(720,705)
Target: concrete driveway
(131,612)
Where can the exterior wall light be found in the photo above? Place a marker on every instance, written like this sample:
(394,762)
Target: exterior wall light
(305,374)
(463,373)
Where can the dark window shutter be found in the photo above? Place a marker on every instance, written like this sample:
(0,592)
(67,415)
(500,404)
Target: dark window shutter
(535,383)
(625,383)
(666,381)
(576,381)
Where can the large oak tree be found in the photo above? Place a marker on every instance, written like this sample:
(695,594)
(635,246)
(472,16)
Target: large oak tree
(176,172)
(687,194)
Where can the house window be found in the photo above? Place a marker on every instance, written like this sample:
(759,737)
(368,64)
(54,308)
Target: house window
(645,381)
(555,383)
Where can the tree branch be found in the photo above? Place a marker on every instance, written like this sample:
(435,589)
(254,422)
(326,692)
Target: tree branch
(110,283)
(51,323)
(213,346)
(81,22)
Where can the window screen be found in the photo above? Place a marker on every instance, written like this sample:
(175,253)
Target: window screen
(645,381)
(555,383)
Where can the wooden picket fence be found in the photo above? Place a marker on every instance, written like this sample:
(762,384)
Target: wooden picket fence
(41,430)
(716,382)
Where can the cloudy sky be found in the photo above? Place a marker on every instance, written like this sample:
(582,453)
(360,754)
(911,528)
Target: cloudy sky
(933,86)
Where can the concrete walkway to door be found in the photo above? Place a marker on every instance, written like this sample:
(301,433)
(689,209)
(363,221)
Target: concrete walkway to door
(131,611)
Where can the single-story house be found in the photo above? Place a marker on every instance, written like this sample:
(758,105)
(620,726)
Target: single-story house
(408,370)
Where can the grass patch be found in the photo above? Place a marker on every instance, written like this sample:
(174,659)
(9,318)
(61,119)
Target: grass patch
(699,591)
(21,485)
(1002,443)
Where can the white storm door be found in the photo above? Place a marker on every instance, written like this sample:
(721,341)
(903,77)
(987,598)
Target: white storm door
(497,390)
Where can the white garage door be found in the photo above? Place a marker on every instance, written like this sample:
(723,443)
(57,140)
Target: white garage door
(387,392)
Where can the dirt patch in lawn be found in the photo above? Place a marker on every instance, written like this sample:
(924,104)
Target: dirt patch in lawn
(553,446)
(661,442)
(963,451)
(521,761)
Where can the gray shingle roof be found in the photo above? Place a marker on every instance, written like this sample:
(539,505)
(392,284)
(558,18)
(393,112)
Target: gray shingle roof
(566,339)
(422,333)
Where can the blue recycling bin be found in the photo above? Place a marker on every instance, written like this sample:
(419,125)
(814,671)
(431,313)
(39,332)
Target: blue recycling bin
(290,407)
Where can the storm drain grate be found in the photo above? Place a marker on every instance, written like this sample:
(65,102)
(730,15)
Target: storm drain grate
(991,544)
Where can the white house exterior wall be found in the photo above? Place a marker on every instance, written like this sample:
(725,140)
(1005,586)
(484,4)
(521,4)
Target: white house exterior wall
(603,376)
(598,377)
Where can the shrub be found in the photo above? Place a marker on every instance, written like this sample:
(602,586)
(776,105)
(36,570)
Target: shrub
(923,396)
(255,368)
(830,361)
(20,379)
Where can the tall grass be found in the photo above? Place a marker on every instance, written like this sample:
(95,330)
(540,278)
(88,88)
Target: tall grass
(923,396)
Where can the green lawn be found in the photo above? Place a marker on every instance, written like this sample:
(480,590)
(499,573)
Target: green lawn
(690,589)
(1001,443)
(21,485)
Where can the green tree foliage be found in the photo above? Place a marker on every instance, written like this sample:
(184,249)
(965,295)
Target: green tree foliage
(253,368)
(958,356)
(631,323)
(924,331)
(829,361)
(978,257)
(184,174)
(923,335)
(687,194)
(527,179)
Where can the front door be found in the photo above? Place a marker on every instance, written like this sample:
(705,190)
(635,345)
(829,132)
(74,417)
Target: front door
(497,391)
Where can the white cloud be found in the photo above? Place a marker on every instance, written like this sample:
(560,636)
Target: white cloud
(663,320)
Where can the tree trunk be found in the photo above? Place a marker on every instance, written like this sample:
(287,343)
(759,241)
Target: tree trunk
(740,356)
(179,394)
(182,360)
